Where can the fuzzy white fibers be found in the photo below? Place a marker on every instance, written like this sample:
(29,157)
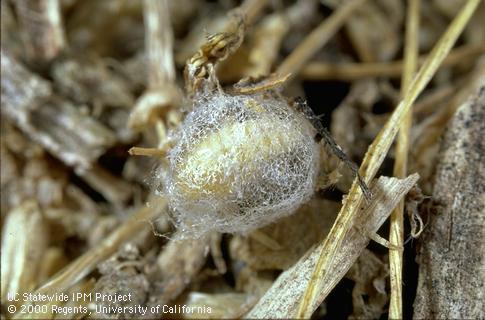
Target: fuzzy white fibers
(239,163)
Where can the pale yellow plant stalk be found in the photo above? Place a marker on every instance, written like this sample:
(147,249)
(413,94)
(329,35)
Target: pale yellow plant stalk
(317,39)
(375,156)
(162,95)
(396,234)
(351,71)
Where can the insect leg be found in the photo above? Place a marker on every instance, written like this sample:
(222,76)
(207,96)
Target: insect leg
(337,150)
(323,134)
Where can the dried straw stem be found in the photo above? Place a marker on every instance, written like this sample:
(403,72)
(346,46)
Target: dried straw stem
(375,156)
(149,152)
(356,71)
(162,94)
(159,43)
(396,234)
(317,39)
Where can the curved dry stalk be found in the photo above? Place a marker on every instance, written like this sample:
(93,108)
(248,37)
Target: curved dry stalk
(317,39)
(355,71)
(396,234)
(159,42)
(162,94)
(375,156)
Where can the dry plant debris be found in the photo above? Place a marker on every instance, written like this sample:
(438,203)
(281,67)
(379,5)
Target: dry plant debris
(453,244)
(282,299)
(130,127)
